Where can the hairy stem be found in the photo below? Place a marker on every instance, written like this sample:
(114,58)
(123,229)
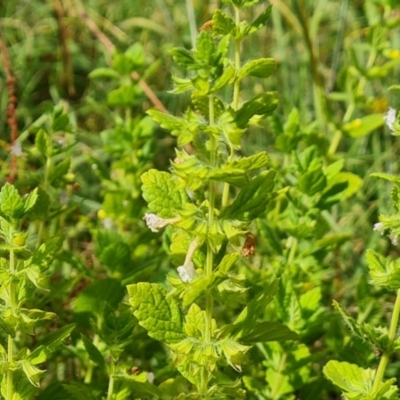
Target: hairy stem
(235,103)
(210,253)
(385,356)
(12,306)
(89,371)
(111,381)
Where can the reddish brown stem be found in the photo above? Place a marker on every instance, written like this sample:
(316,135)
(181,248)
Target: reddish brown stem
(12,106)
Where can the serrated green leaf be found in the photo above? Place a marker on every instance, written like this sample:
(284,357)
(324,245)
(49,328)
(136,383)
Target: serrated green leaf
(11,203)
(252,198)
(93,352)
(262,104)
(260,68)
(163,194)
(159,314)
(205,49)
(195,322)
(222,23)
(268,332)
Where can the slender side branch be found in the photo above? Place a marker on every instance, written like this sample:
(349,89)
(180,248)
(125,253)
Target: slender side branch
(385,356)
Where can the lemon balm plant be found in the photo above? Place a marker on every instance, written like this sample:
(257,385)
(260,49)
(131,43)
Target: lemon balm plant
(207,203)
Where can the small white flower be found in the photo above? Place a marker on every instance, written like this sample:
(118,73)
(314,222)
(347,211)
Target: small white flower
(64,198)
(390,118)
(108,223)
(379,227)
(150,377)
(394,238)
(16,149)
(186,271)
(154,222)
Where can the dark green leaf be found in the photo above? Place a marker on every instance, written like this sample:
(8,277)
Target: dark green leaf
(93,352)
(268,332)
(252,198)
(262,104)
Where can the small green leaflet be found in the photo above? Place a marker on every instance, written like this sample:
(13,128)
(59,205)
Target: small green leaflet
(158,313)
(222,24)
(384,272)
(375,337)
(387,177)
(243,324)
(250,163)
(363,126)
(11,203)
(260,68)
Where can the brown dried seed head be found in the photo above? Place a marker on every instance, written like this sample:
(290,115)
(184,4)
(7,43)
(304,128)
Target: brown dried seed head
(249,246)
(206,25)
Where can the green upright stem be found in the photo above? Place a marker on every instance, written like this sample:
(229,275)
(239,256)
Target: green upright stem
(210,255)
(111,384)
(385,356)
(10,339)
(89,371)
(235,103)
